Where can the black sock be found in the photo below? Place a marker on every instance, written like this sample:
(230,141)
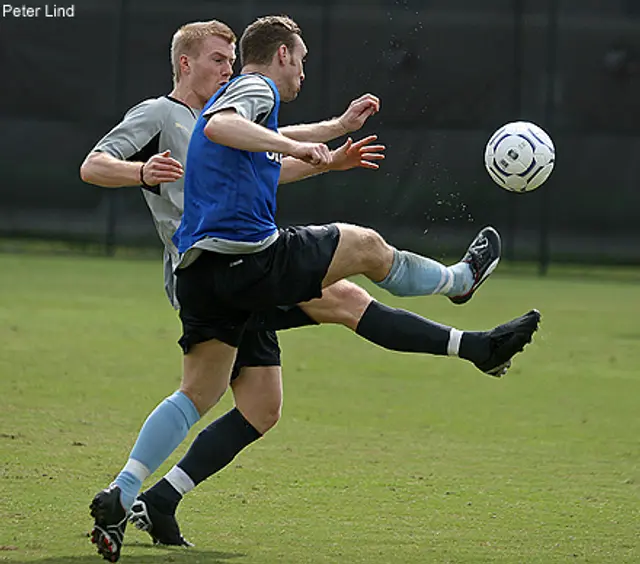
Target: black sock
(214,447)
(401,330)
(164,497)
(217,445)
(474,346)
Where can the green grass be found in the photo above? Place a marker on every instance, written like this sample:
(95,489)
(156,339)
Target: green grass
(379,458)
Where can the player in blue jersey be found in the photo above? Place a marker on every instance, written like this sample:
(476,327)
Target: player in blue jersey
(237,268)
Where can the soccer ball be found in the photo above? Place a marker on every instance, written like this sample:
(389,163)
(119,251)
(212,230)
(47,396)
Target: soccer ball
(520,156)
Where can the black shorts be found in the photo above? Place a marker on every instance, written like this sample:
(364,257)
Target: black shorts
(257,348)
(259,343)
(219,293)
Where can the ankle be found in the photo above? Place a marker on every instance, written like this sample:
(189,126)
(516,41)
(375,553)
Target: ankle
(475,346)
(164,497)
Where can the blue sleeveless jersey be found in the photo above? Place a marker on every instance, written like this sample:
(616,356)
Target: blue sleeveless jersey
(228,193)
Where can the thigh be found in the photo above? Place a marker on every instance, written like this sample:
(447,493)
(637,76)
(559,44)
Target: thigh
(360,251)
(342,302)
(207,368)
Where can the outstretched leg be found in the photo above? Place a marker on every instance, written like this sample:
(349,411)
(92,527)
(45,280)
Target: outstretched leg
(348,304)
(402,273)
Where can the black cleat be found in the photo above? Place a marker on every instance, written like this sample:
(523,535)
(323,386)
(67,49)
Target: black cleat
(110,522)
(482,256)
(162,527)
(507,340)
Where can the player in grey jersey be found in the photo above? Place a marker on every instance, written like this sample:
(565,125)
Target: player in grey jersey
(147,149)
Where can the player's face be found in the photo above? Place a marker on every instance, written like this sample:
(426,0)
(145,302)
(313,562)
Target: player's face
(294,71)
(213,67)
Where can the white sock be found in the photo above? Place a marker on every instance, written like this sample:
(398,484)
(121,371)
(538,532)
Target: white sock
(130,481)
(453,346)
(180,480)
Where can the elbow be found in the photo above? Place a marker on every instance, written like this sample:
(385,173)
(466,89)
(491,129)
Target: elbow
(219,124)
(210,130)
(87,170)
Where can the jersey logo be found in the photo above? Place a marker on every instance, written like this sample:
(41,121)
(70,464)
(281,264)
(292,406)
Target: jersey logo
(179,125)
(274,157)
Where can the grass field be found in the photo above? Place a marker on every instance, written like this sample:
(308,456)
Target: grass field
(380,457)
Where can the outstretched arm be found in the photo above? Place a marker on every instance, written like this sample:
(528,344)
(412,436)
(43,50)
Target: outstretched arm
(229,128)
(351,120)
(349,155)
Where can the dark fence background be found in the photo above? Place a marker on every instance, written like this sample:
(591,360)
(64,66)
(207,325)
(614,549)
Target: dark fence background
(449,72)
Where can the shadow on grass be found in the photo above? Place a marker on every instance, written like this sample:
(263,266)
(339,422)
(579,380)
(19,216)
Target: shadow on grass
(156,555)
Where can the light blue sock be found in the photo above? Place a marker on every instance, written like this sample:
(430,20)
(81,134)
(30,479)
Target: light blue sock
(162,432)
(415,275)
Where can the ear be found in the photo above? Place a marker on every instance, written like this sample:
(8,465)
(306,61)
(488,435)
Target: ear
(283,54)
(184,64)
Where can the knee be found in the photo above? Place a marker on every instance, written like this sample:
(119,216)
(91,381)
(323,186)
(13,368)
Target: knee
(271,416)
(203,398)
(372,248)
(369,239)
(203,393)
(265,416)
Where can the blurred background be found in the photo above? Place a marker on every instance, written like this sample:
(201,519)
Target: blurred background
(448,72)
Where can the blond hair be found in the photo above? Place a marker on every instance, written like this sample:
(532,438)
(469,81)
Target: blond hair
(188,40)
(261,39)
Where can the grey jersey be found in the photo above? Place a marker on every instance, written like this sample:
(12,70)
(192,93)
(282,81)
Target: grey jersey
(152,127)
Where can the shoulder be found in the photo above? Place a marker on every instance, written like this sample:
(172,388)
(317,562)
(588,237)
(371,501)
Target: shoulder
(152,110)
(251,84)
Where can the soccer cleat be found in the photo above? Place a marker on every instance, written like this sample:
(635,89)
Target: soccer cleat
(507,340)
(482,256)
(110,522)
(162,527)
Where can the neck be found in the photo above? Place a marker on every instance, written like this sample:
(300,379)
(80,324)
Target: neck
(187,96)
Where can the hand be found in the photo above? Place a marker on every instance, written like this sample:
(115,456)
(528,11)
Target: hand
(358,112)
(358,154)
(161,168)
(316,154)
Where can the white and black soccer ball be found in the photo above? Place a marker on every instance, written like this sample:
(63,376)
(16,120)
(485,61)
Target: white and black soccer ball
(520,156)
